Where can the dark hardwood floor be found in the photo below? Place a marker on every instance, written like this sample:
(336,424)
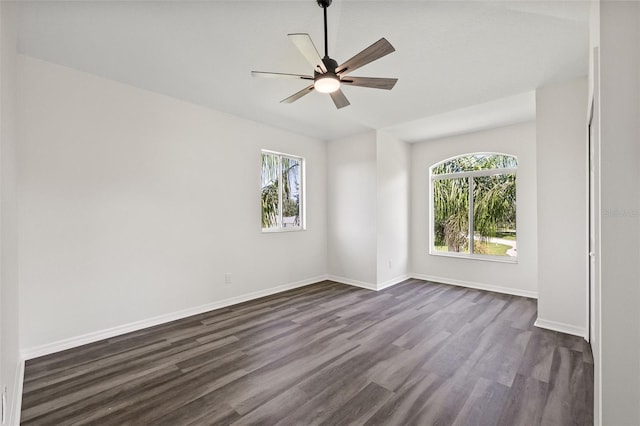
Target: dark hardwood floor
(417,353)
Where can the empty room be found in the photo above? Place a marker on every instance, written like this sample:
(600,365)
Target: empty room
(305,212)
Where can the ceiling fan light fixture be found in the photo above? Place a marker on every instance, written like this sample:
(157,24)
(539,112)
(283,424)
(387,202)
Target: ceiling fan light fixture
(326,83)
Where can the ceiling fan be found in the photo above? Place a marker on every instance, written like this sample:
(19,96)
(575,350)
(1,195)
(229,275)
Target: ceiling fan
(328,76)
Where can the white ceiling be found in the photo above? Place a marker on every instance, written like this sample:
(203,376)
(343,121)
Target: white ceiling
(449,54)
(499,112)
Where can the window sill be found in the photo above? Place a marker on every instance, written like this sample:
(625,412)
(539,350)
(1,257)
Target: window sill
(280,230)
(484,257)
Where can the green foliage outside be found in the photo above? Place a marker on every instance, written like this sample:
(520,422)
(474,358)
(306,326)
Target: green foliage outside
(494,249)
(271,179)
(494,199)
(506,235)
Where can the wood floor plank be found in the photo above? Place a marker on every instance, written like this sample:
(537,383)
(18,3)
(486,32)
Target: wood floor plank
(267,382)
(500,361)
(447,400)
(416,353)
(100,368)
(361,361)
(407,402)
(324,403)
(525,402)
(538,356)
(98,406)
(153,404)
(271,411)
(200,412)
(566,383)
(400,370)
(484,404)
(358,409)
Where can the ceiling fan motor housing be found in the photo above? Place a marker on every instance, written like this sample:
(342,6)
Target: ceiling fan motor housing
(329,64)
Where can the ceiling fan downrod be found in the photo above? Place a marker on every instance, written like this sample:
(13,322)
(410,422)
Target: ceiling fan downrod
(324,4)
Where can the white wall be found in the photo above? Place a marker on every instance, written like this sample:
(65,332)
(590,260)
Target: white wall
(368,209)
(595,219)
(9,338)
(352,209)
(562,206)
(392,208)
(134,205)
(620,211)
(519,278)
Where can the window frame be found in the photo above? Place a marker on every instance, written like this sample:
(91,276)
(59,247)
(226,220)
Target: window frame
(469,175)
(302,189)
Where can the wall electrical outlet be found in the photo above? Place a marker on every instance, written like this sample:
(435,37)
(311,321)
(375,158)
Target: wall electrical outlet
(227,278)
(390,263)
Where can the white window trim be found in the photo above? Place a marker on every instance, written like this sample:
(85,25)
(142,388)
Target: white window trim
(473,173)
(303,195)
(470,175)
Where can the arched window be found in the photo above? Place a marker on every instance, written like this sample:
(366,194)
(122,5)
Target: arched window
(473,206)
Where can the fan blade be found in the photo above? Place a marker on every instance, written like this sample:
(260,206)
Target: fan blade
(339,99)
(297,95)
(279,75)
(376,83)
(376,51)
(308,49)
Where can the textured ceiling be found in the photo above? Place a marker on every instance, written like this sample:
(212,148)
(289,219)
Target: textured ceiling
(449,55)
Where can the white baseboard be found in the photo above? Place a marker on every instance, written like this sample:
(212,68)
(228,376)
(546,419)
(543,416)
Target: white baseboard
(392,282)
(72,342)
(478,286)
(356,283)
(561,327)
(14,420)
(369,286)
